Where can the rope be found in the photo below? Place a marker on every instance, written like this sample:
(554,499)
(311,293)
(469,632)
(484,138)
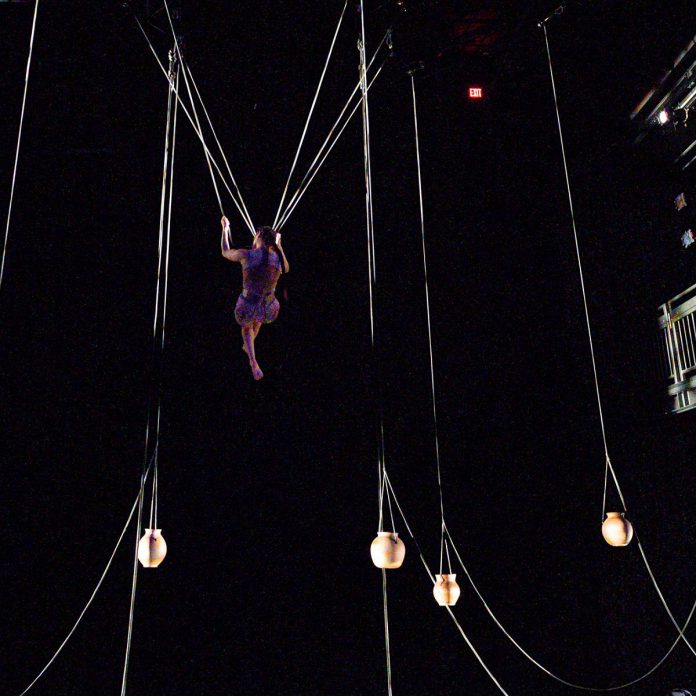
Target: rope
(507,634)
(134,585)
(152,499)
(432,580)
(163,197)
(380,505)
(389,500)
(155,481)
(661,596)
(193,125)
(368,187)
(161,235)
(366,134)
(372,280)
(300,190)
(473,650)
(372,258)
(431,577)
(166,197)
(245,214)
(604,491)
(309,115)
(545,669)
(370,247)
(193,106)
(198,125)
(89,601)
(155,485)
(608,465)
(609,468)
(430,332)
(386,631)
(449,560)
(381,481)
(19,140)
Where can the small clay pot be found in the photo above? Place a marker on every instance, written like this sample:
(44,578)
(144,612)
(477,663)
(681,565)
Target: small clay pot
(446,590)
(387,550)
(152,548)
(617,530)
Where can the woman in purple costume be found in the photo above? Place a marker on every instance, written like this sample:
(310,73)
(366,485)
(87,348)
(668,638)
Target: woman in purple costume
(261,268)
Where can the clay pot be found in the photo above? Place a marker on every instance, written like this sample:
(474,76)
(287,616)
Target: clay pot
(152,548)
(446,590)
(617,530)
(387,550)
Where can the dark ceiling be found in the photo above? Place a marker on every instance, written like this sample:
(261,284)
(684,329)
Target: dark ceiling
(267,491)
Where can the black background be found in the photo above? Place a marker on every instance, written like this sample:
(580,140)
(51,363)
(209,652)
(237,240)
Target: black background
(268,490)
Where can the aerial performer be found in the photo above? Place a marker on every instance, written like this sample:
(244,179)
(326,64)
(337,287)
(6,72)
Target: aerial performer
(262,266)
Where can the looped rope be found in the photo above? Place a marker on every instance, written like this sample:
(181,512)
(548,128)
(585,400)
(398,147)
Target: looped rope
(609,468)
(547,671)
(431,577)
(510,637)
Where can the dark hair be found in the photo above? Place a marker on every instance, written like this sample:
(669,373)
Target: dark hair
(267,235)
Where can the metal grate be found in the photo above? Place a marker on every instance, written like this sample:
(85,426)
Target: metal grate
(677,321)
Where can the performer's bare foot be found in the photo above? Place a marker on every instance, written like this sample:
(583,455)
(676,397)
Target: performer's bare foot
(256,371)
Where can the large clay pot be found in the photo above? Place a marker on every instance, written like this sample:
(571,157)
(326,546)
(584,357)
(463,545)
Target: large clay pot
(152,548)
(446,590)
(617,530)
(387,550)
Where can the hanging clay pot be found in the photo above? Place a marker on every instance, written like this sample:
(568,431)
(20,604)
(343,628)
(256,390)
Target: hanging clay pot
(446,590)
(387,550)
(617,530)
(152,548)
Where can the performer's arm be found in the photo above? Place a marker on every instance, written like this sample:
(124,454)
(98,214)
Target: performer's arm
(286,265)
(226,244)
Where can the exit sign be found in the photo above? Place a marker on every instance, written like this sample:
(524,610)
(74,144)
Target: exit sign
(475,92)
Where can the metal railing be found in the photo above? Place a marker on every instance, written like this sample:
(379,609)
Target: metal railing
(677,321)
